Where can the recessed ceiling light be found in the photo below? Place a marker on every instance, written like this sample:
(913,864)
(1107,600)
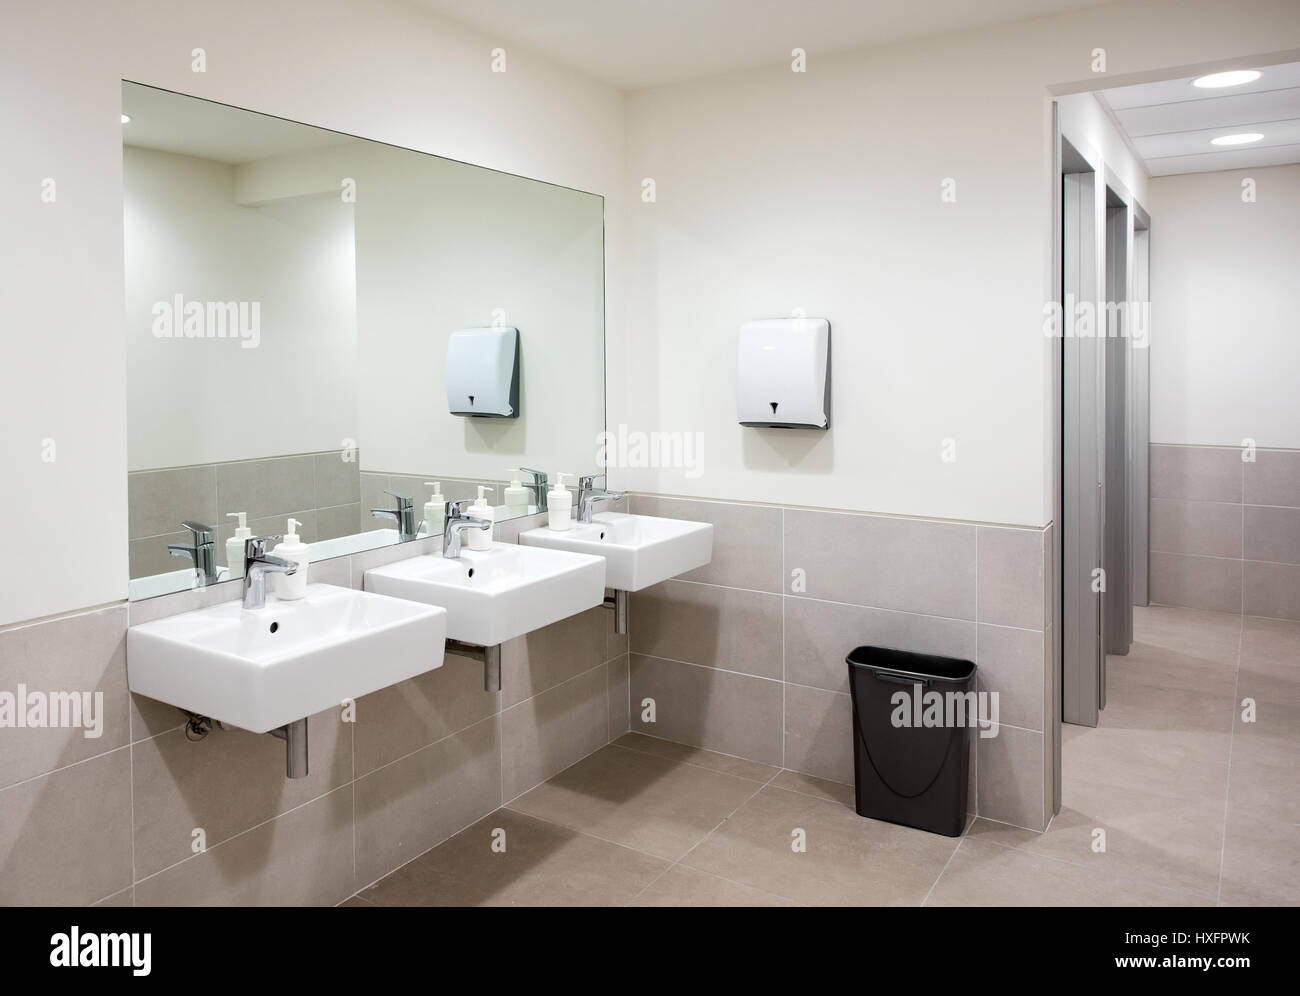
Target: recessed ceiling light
(1245,138)
(126,118)
(1234,77)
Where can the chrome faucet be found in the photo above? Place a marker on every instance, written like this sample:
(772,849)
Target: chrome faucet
(257,565)
(201,550)
(403,515)
(589,494)
(538,487)
(455,522)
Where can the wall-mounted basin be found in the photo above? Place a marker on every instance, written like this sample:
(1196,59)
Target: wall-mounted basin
(496,594)
(639,550)
(260,669)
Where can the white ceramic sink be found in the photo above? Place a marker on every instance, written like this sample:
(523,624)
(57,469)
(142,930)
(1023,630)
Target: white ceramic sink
(495,595)
(259,669)
(639,550)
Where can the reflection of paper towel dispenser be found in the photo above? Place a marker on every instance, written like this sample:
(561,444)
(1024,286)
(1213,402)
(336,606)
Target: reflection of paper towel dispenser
(783,373)
(483,372)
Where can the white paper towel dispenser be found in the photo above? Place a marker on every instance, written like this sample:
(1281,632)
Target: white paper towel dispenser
(783,373)
(483,372)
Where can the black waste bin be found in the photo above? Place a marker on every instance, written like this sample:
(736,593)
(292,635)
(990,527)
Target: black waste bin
(908,769)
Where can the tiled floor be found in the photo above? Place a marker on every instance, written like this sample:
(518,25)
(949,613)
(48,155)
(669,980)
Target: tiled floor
(1197,807)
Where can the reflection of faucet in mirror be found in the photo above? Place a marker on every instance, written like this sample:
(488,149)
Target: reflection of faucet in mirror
(201,550)
(589,494)
(257,565)
(403,515)
(538,487)
(455,522)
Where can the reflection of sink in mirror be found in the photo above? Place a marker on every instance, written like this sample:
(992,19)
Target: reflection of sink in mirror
(639,550)
(264,668)
(497,594)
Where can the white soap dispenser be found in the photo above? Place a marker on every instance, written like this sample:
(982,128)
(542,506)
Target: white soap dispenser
(235,545)
(560,505)
(291,586)
(481,539)
(435,509)
(517,496)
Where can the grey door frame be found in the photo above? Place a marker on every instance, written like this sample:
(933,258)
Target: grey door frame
(1078,659)
(1140,414)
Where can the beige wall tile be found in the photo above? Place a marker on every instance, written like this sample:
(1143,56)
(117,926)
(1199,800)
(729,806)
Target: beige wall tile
(1013,663)
(271,487)
(303,858)
(1196,582)
(402,718)
(1272,534)
(819,636)
(73,654)
(910,564)
(338,481)
(616,685)
(158,500)
(65,837)
(819,732)
(1202,528)
(1011,778)
(407,807)
(1274,478)
(228,782)
(1196,473)
(728,628)
(746,539)
(1272,590)
(718,710)
(547,733)
(1012,577)
(539,660)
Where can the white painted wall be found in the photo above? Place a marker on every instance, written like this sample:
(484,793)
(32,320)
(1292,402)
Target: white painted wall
(386,70)
(206,400)
(442,246)
(821,190)
(1225,342)
(756,172)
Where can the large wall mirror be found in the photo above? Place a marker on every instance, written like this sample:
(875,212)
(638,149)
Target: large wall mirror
(293,297)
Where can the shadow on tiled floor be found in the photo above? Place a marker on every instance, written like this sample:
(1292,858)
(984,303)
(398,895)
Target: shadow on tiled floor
(1196,807)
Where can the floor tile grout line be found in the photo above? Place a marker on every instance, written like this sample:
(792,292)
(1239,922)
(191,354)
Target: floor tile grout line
(702,839)
(1227,778)
(416,857)
(689,764)
(960,840)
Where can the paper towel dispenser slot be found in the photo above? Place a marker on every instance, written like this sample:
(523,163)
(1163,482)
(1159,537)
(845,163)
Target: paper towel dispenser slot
(789,360)
(483,372)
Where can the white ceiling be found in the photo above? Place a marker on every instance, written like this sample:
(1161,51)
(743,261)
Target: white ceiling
(1171,123)
(640,43)
(188,126)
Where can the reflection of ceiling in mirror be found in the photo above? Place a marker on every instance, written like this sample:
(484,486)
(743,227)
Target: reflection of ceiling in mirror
(188,126)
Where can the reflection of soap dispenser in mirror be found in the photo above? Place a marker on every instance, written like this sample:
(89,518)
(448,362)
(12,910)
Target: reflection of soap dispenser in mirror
(481,539)
(435,509)
(235,545)
(560,504)
(291,586)
(517,496)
